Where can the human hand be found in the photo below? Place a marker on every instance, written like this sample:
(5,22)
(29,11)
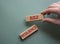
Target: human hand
(53,8)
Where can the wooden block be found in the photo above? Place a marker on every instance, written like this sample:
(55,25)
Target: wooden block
(34,17)
(28,32)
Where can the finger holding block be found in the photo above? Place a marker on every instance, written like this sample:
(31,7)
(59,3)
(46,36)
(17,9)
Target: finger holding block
(28,32)
(34,17)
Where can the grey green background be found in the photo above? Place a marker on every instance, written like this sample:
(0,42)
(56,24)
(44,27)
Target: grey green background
(12,22)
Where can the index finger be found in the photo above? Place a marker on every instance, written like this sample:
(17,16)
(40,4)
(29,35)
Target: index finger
(49,10)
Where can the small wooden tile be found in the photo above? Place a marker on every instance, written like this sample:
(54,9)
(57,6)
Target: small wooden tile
(34,17)
(28,31)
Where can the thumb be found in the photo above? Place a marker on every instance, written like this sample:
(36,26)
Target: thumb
(50,20)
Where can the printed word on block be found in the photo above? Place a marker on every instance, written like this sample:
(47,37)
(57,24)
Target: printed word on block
(28,31)
(34,17)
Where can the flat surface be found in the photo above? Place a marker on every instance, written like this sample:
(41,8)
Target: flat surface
(12,22)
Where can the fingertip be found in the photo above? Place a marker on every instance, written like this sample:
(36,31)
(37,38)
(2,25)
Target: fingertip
(50,20)
(46,19)
(44,11)
(43,19)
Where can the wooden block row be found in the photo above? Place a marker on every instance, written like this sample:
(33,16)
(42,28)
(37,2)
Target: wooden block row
(28,31)
(34,17)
